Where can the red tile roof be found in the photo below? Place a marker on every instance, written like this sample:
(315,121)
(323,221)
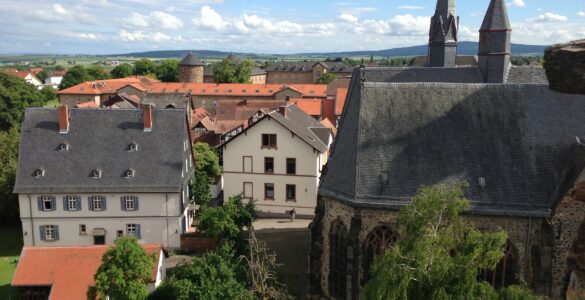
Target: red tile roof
(98,87)
(310,106)
(36,70)
(69,270)
(21,74)
(340,100)
(325,122)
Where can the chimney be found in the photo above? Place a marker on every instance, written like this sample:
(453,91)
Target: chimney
(282,110)
(63,112)
(147,117)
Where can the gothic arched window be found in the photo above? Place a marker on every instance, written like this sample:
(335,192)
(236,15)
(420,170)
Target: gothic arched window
(381,238)
(337,259)
(505,272)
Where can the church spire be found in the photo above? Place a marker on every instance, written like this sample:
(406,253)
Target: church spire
(443,35)
(494,43)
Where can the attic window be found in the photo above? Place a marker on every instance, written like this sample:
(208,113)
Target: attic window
(203,90)
(40,173)
(64,147)
(243,91)
(270,91)
(97,173)
(257,91)
(481,182)
(133,147)
(130,173)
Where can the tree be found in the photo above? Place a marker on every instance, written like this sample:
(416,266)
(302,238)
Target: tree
(8,162)
(144,67)
(125,271)
(75,76)
(218,275)
(168,70)
(48,93)
(122,71)
(42,75)
(97,72)
(16,95)
(206,169)
(227,222)
(228,71)
(59,68)
(326,78)
(438,254)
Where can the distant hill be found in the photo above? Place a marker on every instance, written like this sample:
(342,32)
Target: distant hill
(465,48)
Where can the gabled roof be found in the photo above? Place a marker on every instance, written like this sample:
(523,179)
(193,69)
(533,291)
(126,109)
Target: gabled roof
(177,100)
(311,107)
(68,270)
(299,123)
(340,99)
(191,60)
(21,74)
(517,136)
(122,101)
(98,87)
(100,139)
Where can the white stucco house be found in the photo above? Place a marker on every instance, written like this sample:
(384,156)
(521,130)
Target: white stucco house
(277,161)
(87,176)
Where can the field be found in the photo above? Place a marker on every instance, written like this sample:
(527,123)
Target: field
(10,246)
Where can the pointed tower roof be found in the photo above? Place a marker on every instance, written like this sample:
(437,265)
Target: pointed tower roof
(233,58)
(496,17)
(191,60)
(444,23)
(446,8)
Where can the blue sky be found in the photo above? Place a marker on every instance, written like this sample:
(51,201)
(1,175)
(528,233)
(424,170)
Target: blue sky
(261,26)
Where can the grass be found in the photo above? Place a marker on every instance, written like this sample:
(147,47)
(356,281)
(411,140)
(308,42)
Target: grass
(10,246)
(52,103)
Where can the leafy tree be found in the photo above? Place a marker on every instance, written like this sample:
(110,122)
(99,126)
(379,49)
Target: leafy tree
(439,254)
(144,67)
(168,70)
(75,76)
(326,78)
(48,93)
(16,95)
(125,271)
(215,276)
(122,71)
(227,222)
(59,68)
(228,71)
(9,159)
(42,75)
(97,72)
(206,169)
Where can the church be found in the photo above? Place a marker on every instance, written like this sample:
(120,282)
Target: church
(496,126)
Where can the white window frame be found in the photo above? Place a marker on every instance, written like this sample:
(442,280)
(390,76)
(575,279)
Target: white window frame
(50,232)
(47,199)
(97,203)
(71,202)
(129,203)
(132,230)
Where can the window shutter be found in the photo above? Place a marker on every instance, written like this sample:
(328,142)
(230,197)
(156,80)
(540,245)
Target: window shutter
(122,203)
(104,201)
(78,203)
(136,206)
(56,232)
(65,204)
(89,203)
(53,203)
(40,202)
(42,229)
(138,235)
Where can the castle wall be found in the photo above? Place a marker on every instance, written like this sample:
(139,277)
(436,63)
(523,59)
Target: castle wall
(191,74)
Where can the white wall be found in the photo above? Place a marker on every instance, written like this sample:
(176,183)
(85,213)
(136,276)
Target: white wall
(308,166)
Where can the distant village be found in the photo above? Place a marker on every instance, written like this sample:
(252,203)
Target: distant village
(329,166)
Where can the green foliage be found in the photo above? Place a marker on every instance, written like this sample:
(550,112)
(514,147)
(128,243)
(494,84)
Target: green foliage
(125,271)
(206,169)
(48,93)
(97,72)
(75,76)
(228,71)
(122,71)
(168,70)
(16,95)
(9,159)
(42,75)
(439,254)
(326,78)
(527,60)
(218,275)
(227,222)
(144,67)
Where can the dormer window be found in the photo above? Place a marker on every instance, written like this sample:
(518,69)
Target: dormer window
(64,147)
(133,147)
(130,173)
(97,173)
(40,173)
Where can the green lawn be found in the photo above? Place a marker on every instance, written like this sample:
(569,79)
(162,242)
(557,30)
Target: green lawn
(52,103)
(10,246)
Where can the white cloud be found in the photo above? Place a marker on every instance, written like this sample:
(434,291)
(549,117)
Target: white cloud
(410,7)
(166,21)
(156,19)
(347,18)
(209,19)
(59,9)
(136,20)
(400,25)
(254,23)
(141,36)
(581,14)
(517,3)
(549,17)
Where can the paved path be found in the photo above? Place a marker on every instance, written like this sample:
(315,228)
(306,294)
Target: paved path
(262,224)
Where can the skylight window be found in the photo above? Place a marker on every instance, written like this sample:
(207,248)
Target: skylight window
(39,173)
(64,147)
(130,173)
(97,173)
(133,147)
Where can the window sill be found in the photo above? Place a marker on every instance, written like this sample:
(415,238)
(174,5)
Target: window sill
(268,199)
(291,200)
(268,148)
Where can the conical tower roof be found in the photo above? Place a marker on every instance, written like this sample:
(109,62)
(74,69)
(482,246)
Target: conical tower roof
(233,58)
(496,17)
(191,60)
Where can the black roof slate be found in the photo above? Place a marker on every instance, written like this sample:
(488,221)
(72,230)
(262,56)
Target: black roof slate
(191,60)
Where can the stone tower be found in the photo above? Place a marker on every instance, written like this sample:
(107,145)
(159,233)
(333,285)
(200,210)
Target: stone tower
(443,35)
(191,69)
(494,43)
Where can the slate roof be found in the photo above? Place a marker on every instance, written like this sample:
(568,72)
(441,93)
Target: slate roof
(496,17)
(527,74)
(461,60)
(100,139)
(191,60)
(519,137)
(282,66)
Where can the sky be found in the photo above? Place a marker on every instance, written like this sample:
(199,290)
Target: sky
(261,26)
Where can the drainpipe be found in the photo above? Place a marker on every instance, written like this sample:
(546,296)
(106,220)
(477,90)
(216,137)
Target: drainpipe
(528,241)
(167,217)
(32,222)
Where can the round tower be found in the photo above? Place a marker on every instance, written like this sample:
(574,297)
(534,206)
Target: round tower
(191,69)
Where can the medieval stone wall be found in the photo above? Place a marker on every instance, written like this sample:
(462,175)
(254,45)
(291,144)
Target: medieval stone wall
(289,77)
(191,74)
